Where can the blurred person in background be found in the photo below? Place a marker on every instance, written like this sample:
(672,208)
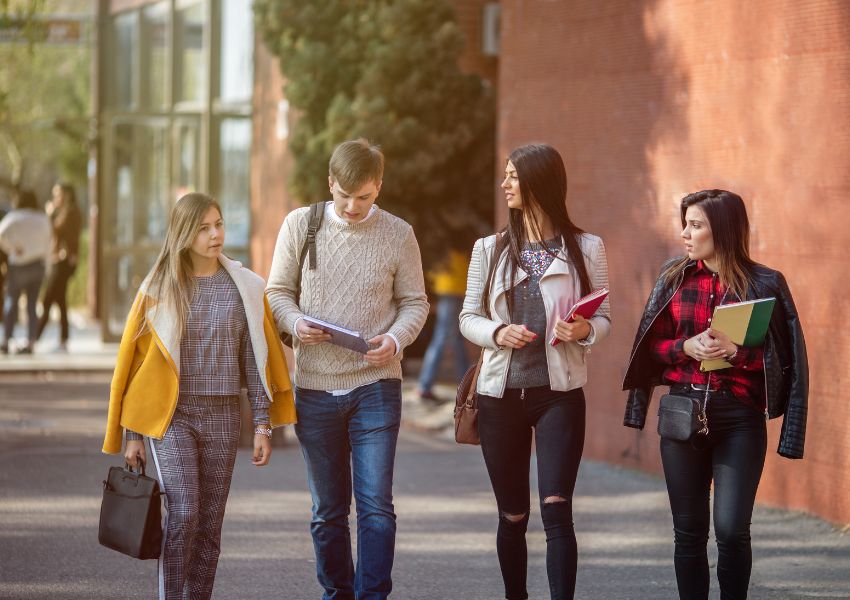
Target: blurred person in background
(449,285)
(3,265)
(67,222)
(25,238)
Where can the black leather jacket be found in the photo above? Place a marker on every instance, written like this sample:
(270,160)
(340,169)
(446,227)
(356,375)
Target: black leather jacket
(786,368)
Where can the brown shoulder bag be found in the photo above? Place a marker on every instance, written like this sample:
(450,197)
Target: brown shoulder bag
(466,406)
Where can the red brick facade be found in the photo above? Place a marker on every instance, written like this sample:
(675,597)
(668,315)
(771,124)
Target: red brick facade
(470,15)
(649,100)
(271,162)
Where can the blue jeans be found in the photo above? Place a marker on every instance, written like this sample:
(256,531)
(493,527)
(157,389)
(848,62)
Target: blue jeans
(358,429)
(446,331)
(22,279)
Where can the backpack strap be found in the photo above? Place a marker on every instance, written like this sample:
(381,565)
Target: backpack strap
(317,213)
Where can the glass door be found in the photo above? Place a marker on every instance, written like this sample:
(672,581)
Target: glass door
(134,226)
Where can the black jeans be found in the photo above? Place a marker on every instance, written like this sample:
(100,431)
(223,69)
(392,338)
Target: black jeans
(56,292)
(505,426)
(733,456)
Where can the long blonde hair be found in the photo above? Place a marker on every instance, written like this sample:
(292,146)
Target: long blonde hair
(171,281)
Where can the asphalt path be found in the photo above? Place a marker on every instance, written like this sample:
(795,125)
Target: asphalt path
(51,470)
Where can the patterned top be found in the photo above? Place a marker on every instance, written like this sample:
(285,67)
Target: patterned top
(216,355)
(688,314)
(528,364)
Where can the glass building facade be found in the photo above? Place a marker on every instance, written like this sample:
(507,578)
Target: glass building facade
(174,117)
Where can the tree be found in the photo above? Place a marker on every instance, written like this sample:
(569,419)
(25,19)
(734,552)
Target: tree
(388,70)
(44,100)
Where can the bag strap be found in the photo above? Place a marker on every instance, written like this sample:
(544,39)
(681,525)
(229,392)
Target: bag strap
(491,269)
(470,400)
(138,471)
(317,212)
(703,416)
(470,394)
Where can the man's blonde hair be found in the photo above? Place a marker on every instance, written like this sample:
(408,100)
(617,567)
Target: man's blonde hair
(355,163)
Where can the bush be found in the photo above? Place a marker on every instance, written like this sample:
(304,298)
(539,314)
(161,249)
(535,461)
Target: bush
(388,71)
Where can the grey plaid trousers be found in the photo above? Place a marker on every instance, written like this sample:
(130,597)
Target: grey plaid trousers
(195,460)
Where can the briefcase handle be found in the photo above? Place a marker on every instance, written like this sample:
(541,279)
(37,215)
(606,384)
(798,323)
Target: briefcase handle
(138,471)
(129,469)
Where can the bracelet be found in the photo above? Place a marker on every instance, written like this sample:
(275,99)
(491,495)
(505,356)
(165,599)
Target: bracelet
(266,431)
(733,355)
(496,334)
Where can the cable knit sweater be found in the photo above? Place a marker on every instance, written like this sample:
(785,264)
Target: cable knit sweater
(368,278)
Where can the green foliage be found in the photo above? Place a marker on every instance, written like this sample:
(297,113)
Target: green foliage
(388,70)
(44,102)
(20,16)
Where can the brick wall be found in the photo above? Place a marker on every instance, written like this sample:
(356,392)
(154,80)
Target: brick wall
(649,100)
(470,15)
(271,162)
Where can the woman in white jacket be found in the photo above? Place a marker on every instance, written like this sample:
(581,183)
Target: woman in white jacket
(521,283)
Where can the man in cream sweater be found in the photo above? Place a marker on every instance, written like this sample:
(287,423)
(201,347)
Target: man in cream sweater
(368,278)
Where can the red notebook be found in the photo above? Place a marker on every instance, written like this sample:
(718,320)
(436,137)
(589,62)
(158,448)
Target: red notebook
(586,307)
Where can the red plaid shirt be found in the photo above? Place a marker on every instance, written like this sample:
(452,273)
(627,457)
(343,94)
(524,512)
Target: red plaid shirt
(688,314)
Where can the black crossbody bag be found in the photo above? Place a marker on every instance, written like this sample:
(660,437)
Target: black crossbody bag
(682,417)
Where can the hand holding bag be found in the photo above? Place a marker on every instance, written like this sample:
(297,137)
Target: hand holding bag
(466,406)
(682,417)
(131,513)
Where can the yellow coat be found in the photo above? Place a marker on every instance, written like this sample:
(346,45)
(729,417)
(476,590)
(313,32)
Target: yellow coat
(450,278)
(146,381)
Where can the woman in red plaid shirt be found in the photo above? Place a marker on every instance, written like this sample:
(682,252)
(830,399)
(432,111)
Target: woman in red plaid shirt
(674,336)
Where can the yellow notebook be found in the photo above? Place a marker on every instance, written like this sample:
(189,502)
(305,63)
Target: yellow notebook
(745,323)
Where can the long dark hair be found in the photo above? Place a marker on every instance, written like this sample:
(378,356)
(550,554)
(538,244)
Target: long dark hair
(25,199)
(730,231)
(543,187)
(68,191)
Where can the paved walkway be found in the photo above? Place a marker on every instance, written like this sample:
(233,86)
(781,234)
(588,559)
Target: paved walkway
(52,408)
(86,352)
(50,484)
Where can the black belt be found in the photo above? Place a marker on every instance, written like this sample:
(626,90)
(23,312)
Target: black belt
(691,388)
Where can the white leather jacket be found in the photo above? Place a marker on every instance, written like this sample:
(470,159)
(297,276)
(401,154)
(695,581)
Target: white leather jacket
(560,289)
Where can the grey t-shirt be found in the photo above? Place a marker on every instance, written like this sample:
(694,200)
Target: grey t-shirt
(528,364)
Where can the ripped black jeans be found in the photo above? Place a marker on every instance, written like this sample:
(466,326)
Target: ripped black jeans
(505,425)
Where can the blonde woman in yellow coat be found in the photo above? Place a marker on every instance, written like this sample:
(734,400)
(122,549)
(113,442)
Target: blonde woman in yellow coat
(199,328)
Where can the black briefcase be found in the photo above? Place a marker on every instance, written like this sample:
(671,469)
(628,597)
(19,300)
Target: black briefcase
(131,513)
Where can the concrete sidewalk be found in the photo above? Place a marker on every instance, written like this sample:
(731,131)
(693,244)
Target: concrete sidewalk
(86,352)
(51,470)
(797,556)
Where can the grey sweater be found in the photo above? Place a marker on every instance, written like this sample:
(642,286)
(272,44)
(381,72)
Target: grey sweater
(368,279)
